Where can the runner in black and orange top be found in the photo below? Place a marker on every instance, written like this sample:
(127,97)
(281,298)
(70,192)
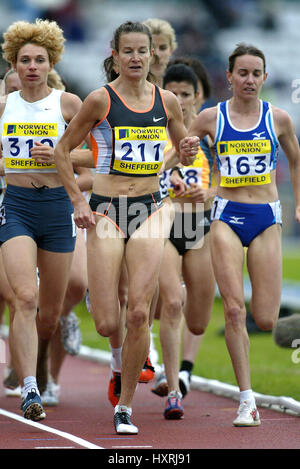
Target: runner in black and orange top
(164,44)
(125,218)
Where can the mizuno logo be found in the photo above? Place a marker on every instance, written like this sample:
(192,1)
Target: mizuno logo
(204,222)
(156,119)
(235,220)
(258,135)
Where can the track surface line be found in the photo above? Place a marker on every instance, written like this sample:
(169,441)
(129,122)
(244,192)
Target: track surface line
(68,436)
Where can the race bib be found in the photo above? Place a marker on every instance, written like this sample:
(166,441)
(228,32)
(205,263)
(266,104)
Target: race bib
(20,138)
(245,162)
(139,150)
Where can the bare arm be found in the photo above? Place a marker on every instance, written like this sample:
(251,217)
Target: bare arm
(83,158)
(205,124)
(290,146)
(85,178)
(186,147)
(92,110)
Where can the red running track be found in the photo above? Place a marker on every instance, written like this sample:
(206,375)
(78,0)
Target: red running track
(85,417)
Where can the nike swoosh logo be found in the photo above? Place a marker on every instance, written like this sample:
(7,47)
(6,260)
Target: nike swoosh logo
(156,119)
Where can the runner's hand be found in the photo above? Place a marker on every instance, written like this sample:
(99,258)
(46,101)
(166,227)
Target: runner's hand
(83,215)
(42,153)
(188,149)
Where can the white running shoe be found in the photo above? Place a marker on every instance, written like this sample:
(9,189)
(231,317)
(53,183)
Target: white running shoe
(87,301)
(122,421)
(248,415)
(153,353)
(16,392)
(70,333)
(184,382)
(161,385)
(50,397)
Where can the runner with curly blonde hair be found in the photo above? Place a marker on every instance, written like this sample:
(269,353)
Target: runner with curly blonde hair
(36,222)
(42,33)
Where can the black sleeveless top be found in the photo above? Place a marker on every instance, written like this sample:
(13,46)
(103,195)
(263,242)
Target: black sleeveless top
(129,142)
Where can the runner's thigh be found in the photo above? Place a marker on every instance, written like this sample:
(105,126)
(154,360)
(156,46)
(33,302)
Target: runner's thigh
(264,260)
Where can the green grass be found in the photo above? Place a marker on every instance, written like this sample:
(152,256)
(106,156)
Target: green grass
(272,369)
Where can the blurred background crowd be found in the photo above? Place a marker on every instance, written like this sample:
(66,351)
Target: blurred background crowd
(207,29)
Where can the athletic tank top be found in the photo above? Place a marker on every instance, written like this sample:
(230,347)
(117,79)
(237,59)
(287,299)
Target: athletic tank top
(129,142)
(245,157)
(24,123)
(200,172)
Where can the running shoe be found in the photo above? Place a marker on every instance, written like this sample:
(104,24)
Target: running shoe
(184,382)
(248,415)
(114,388)
(32,407)
(10,379)
(50,397)
(16,392)
(174,409)
(122,421)
(11,383)
(87,301)
(70,333)
(147,373)
(161,386)
(153,353)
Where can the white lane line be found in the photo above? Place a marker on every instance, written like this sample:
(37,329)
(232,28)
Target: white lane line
(55,447)
(132,447)
(68,436)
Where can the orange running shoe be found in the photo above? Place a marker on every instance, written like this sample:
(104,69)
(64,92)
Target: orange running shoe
(114,388)
(147,373)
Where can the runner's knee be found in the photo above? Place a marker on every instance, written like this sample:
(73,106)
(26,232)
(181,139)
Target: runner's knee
(76,291)
(265,323)
(106,328)
(235,316)
(137,317)
(172,310)
(26,299)
(195,328)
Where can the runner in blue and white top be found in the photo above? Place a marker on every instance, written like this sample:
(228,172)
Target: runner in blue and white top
(246,211)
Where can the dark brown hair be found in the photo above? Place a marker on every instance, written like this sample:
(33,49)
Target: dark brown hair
(245,49)
(199,70)
(125,28)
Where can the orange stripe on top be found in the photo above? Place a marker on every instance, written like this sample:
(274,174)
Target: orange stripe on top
(130,108)
(94,149)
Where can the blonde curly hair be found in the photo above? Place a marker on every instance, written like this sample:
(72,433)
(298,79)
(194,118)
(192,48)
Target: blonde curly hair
(55,81)
(43,33)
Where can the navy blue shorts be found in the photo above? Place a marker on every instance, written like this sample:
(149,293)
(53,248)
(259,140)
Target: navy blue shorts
(246,220)
(45,215)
